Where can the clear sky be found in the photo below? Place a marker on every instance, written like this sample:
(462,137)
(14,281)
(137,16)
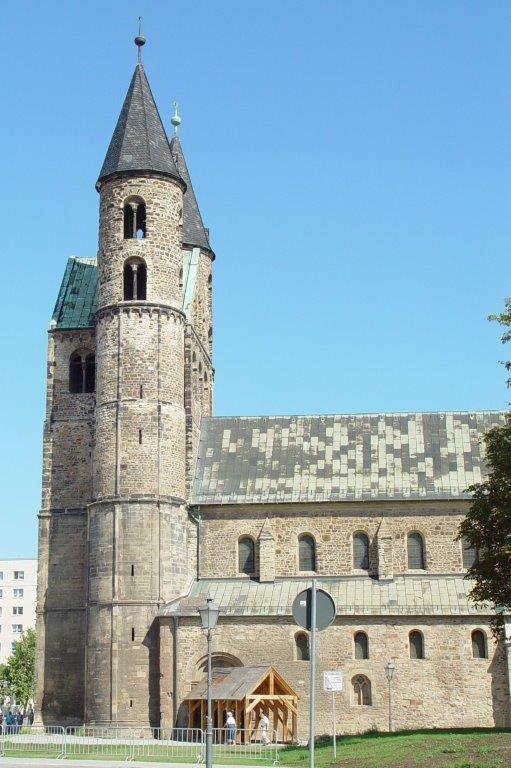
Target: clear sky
(352,160)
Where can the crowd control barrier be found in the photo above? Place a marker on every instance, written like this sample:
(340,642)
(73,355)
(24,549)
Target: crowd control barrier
(165,744)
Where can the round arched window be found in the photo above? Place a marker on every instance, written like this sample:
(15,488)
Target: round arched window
(306,553)
(361,687)
(246,555)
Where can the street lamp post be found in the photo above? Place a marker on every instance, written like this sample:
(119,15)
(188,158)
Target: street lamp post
(389,674)
(209,617)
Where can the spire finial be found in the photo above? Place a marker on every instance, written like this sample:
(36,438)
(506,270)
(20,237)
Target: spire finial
(139,40)
(175,119)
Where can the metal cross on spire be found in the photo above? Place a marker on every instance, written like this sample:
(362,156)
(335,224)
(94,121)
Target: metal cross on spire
(139,40)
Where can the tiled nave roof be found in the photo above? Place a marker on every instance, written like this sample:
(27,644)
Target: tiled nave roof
(344,457)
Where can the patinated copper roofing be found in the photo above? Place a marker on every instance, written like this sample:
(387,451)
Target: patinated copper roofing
(78,295)
(421,595)
(344,457)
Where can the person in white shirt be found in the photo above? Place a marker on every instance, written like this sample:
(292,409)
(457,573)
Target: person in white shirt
(230,725)
(264,727)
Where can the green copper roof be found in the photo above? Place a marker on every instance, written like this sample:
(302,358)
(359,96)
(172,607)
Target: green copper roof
(78,295)
(421,595)
(190,265)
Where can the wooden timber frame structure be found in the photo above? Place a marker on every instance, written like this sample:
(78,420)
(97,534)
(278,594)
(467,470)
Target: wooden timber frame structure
(247,692)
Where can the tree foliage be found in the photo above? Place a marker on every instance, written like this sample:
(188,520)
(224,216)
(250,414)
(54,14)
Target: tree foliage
(488,523)
(487,526)
(504,318)
(19,670)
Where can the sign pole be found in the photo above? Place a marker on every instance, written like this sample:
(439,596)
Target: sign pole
(312,697)
(334,733)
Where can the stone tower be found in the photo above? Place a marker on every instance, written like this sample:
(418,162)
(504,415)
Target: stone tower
(135,543)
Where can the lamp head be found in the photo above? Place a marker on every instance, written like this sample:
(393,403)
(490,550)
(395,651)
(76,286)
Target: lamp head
(389,670)
(208,614)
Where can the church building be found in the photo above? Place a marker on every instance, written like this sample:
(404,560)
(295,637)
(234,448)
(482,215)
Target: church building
(151,504)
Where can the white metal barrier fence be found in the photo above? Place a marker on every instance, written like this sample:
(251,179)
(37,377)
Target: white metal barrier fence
(169,744)
(32,741)
(186,744)
(245,744)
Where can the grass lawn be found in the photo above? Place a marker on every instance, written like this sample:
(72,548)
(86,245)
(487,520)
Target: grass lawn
(474,748)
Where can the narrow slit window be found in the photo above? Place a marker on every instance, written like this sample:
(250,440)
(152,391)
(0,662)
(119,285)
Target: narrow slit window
(133,633)
(141,392)
(140,437)
(132,569)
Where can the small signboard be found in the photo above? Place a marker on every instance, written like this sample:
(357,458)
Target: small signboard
(332,681)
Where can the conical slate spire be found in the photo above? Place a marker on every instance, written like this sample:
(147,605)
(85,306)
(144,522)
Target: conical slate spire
(139,142)
(194,231)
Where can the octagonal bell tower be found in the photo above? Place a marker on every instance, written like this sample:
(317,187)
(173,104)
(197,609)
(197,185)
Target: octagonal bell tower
(137,522)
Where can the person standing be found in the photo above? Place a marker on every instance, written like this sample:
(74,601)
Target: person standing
(9,722)
(230,725)
(30,716)
(264,728)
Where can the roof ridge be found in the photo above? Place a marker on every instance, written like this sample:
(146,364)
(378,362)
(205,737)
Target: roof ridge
(194,232)
(356,413)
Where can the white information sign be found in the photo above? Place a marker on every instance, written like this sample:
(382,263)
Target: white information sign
(332,681)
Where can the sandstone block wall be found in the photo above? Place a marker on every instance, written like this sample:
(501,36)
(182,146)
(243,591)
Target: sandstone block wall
(66,491)
(160,249)
(333,527)
(449,688)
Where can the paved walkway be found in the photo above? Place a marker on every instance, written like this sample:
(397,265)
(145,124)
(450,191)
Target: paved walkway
(43,762)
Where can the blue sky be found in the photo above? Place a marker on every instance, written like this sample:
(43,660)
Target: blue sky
(352,160)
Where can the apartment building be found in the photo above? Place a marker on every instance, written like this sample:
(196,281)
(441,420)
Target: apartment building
(18,579)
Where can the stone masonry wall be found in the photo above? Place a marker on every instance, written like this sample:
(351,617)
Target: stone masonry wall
(160,249)
(138,526)
(333,527)
(66,491)
(449,688)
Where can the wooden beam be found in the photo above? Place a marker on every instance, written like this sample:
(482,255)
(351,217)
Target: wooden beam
(269,696)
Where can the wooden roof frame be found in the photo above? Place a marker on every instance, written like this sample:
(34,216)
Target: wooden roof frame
(270,694)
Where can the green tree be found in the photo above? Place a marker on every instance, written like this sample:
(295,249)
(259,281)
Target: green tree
(19,670)
(487,526)
(504,318)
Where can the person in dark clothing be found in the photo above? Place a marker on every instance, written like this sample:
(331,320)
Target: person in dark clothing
(9,722)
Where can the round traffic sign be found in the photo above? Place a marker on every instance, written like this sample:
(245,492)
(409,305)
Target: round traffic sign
(325,609)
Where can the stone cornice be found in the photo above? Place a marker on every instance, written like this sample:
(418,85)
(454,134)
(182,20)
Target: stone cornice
(140,307)
(133,499)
